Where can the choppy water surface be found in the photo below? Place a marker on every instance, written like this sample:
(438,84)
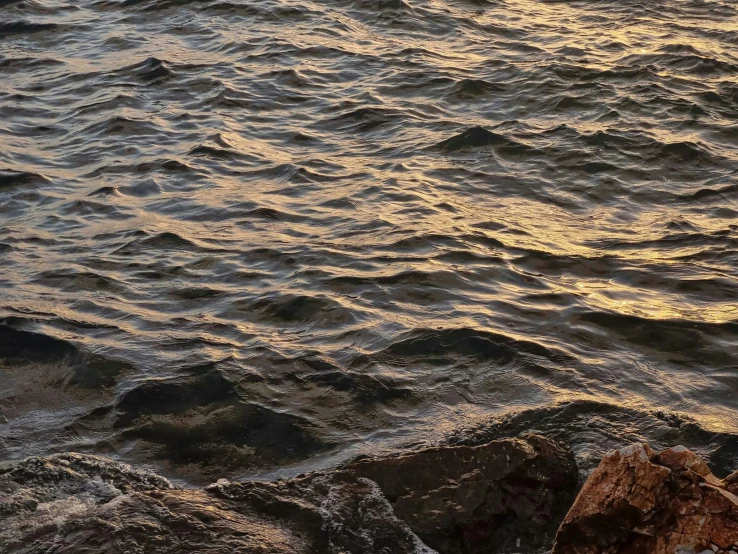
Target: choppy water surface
(237,235)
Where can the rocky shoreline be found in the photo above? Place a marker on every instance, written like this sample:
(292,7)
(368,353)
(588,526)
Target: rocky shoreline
(507,496)
(641,501)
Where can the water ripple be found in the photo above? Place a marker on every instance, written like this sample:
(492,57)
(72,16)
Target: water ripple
(240,234)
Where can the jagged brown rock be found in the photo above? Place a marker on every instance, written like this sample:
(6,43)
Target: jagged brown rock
(639,501)
(501,497)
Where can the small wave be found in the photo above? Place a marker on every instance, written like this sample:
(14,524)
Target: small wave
(686,63)
(74,280)
(150,71)
(13,65)
(593,427)
(168,240)
(142,189)
(197,293)
(686,151)
(25,28)
(121,126)
(479,137)
(167,166)
(10,178)
(213,152)
(393,5)
(679,339)
(295,309)
(270,214)
(365,389)
(708,193)
(198,416)
(439,279)
(472,88)
(440,347)
(88,207)
(33,347)
(363,119)
(85,369)
(160,242)
(673,241)
(549,263)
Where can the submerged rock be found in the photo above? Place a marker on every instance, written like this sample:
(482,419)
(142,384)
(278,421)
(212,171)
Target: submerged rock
(505,496)
(640,501)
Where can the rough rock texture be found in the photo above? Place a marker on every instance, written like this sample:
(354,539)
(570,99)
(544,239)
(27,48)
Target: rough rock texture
(84,504)
(638,501)
(505,496)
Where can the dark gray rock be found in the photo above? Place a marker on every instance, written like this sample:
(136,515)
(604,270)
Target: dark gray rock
(83,504)
(505,496)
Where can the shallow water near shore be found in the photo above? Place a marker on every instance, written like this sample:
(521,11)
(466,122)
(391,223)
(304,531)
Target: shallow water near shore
(238,236)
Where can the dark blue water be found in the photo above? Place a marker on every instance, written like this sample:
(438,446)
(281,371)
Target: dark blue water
(240,235)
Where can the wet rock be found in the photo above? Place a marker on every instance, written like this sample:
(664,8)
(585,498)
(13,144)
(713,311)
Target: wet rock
(84,504)
(504,496)
(640,501)
(335,513)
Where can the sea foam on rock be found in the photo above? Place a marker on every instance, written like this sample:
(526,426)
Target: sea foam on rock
(506,496)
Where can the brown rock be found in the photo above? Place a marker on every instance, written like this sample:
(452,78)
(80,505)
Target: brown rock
(680,458)
(637,502)
(504,496)
(731,483)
